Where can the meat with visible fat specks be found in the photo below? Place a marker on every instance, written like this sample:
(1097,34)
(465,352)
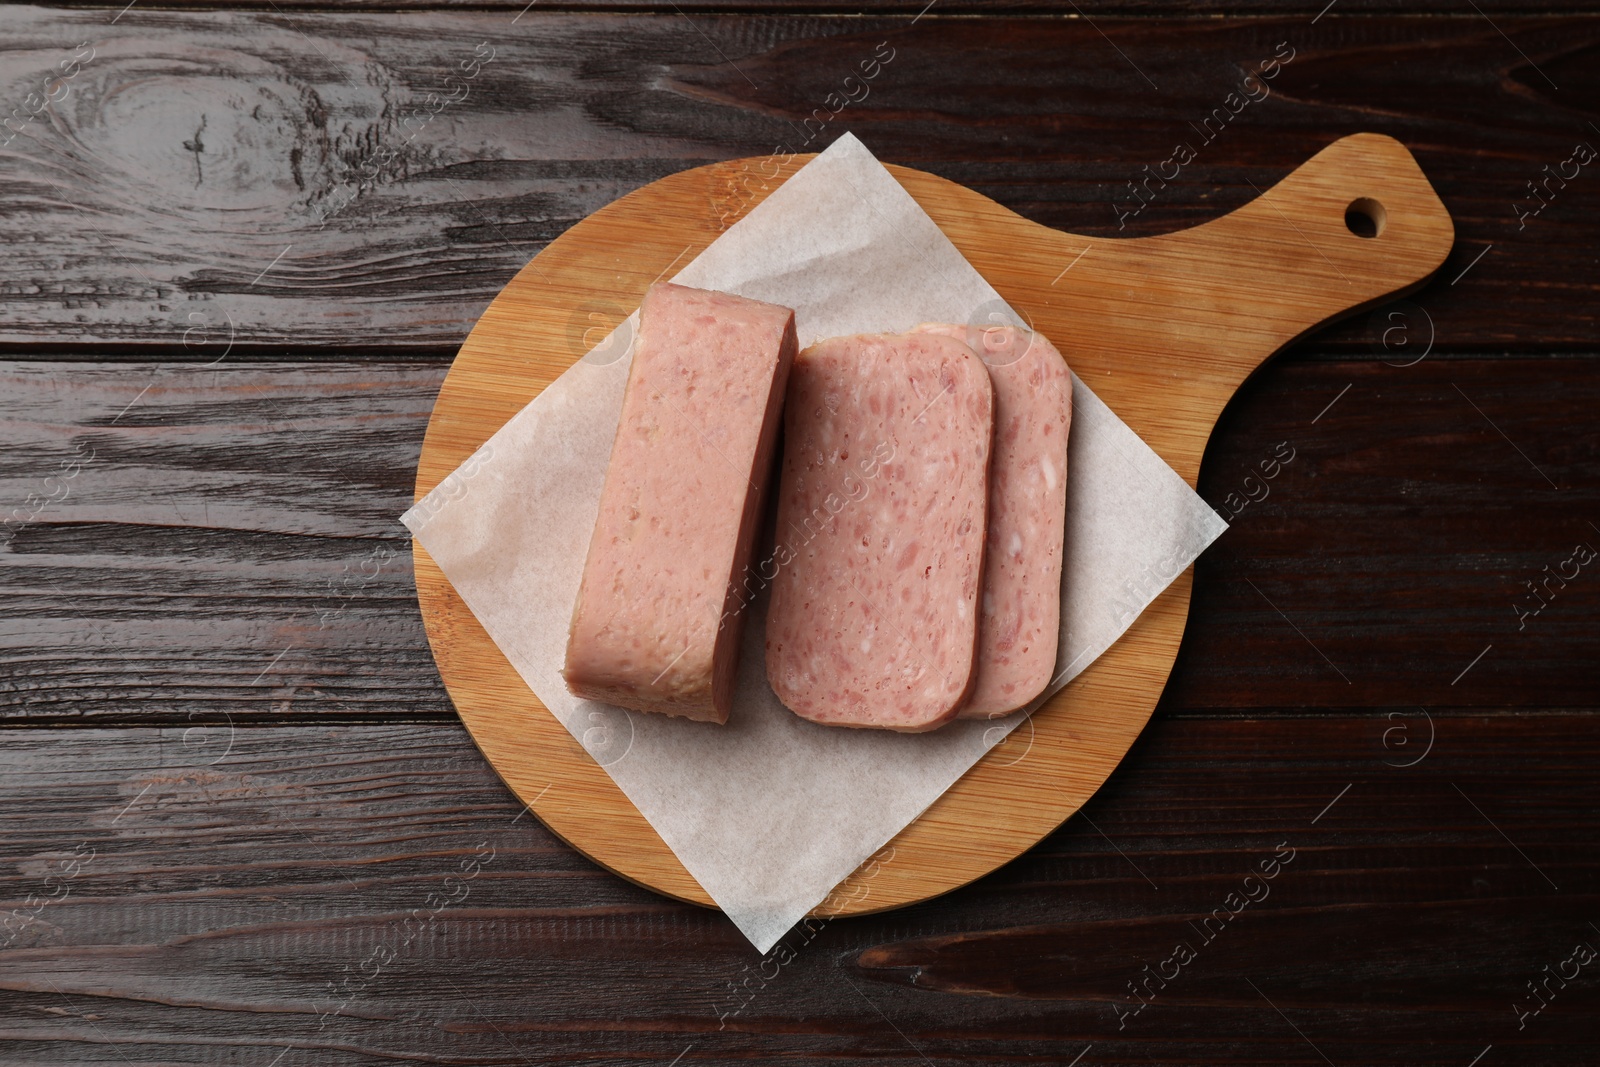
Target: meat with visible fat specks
(657,621)
(880,531)
(1019,625)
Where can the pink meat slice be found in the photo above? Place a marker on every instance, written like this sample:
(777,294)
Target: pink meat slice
(879,543)
(1020,623)
(656,625)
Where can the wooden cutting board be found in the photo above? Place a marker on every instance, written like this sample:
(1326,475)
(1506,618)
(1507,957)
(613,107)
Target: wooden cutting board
(1163,328)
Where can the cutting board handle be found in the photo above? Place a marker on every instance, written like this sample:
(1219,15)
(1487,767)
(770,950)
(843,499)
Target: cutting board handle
(1352,227)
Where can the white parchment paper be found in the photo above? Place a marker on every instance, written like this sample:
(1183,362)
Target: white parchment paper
(770,812)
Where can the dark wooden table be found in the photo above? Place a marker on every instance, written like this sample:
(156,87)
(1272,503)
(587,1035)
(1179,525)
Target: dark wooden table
(241,824)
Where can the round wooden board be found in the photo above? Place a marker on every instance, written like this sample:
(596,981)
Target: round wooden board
(1164,329)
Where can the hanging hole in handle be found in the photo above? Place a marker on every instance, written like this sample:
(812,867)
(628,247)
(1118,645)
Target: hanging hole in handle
(1365,217)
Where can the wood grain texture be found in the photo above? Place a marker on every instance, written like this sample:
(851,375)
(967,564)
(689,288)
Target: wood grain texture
(215,915)
(1404,535)
(241,894)
(312,136)
(140,502)
(1165,329)
(1398,540)
(1108,13)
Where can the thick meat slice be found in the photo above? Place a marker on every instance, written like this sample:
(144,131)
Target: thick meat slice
(656,626)
(1019,626)
(879,547)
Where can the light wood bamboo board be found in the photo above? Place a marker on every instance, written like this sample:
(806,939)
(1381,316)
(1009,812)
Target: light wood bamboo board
(1163,328)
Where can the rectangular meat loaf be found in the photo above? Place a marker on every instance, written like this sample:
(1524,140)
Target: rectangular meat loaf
(1020,623)
(655,627)
(881,511)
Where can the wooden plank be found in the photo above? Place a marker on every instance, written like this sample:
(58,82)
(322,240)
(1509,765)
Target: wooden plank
(1422,493)
(1104,13)
(246,894)
(225,540)
(325,198)
(237,511)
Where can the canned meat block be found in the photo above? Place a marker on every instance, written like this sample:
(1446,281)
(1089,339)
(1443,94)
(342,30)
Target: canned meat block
(880,532)
(1019,624)
(654,627)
